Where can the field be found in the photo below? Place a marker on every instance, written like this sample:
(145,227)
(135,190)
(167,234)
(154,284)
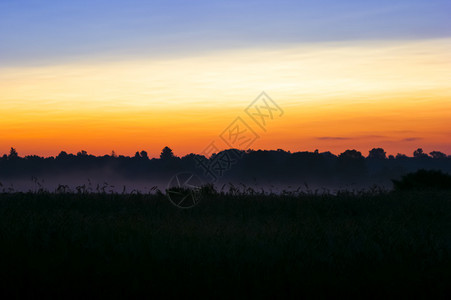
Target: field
(112,245)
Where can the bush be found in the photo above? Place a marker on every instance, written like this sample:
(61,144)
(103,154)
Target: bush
(424,179)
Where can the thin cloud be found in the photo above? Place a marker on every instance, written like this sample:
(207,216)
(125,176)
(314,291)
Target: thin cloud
(333,138)
(411,139)
(342,138)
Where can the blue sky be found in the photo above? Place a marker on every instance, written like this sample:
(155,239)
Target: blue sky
(57,31)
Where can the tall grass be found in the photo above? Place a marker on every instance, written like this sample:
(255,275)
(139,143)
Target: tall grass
(75,244)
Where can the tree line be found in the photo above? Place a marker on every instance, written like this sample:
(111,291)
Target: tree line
(250,166)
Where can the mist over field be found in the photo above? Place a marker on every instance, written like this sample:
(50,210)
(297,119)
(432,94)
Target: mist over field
(260,171)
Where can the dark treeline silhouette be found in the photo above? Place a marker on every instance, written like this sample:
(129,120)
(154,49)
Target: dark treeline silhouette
(262,167)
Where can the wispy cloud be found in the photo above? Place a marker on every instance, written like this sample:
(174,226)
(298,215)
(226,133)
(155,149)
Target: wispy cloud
(333,138)
(343,138)
(411,139)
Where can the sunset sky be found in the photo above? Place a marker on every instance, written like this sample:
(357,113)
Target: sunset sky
(140,75)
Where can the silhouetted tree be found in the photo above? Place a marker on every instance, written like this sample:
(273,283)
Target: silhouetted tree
(62,155)
(437,154)
(351,154)
(13,153)
(141,155)
(166,153)
(377,153)
(328,155)
(82,153)
(144,154)
(419,153)
(400,156)
(351,164)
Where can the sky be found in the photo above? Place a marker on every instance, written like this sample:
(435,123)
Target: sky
(140,75)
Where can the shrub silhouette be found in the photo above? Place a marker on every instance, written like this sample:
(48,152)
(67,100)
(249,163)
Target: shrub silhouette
(424,179)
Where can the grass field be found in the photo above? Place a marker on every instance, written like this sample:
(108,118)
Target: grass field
(109,245)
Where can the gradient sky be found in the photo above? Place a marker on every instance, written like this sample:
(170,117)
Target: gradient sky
(133,75)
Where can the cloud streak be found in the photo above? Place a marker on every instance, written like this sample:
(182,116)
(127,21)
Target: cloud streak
(333,138)
(341,138)
(411,139)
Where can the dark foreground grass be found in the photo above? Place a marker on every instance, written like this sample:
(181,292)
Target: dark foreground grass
(392,244)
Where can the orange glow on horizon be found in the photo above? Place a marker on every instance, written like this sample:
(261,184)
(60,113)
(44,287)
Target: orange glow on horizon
(335,97)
